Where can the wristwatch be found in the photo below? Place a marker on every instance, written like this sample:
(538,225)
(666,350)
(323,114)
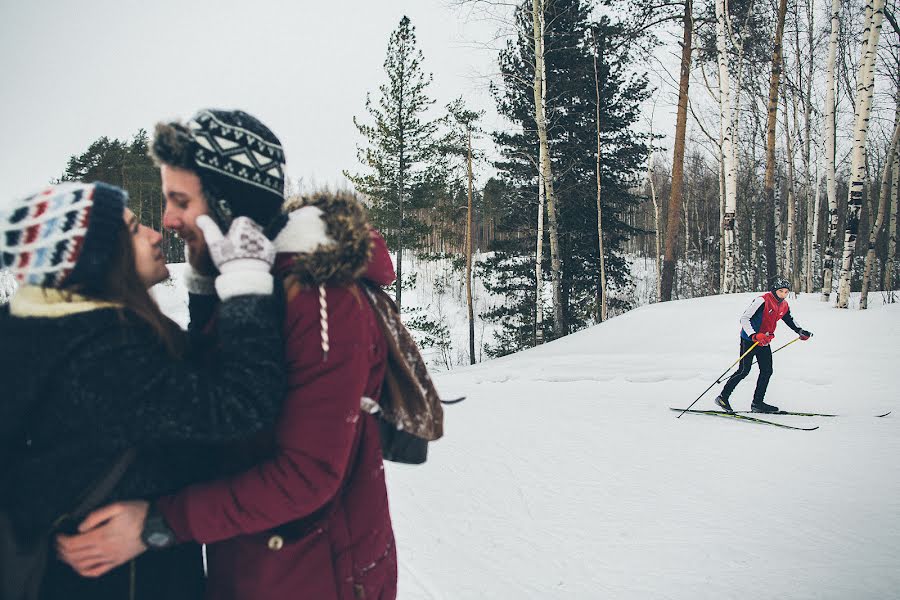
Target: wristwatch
(156,533)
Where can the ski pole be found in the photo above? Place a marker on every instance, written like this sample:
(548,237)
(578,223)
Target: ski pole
(720,378)
(796,339)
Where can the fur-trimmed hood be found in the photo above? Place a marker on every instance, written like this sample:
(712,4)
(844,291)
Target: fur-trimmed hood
(328,237)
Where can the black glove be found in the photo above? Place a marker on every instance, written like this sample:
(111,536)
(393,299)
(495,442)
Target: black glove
(804,334)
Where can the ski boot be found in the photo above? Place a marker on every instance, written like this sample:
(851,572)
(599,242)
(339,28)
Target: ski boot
(762,407)
(723,402)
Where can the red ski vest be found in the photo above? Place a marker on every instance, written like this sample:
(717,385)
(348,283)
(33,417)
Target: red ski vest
(772,311)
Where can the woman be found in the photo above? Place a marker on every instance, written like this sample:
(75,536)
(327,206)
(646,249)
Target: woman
(92,367)
(306,513)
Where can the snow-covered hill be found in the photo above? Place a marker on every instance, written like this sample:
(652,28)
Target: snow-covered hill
(564,474)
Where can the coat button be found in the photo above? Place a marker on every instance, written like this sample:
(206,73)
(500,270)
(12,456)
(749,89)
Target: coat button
(276,542)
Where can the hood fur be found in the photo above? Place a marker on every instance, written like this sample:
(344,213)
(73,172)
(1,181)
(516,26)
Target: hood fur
(328,236)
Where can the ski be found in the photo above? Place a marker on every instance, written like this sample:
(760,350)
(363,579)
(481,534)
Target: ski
(742,417)
(786,412)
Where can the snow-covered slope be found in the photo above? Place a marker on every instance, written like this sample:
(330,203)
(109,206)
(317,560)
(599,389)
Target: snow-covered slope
(564,474)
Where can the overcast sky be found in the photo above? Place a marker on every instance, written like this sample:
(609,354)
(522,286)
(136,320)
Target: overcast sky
(73,71)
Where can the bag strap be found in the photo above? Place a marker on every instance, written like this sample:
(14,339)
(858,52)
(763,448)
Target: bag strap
(98,491)
(104,486)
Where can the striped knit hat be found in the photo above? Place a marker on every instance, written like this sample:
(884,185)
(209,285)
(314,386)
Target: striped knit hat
(62,235)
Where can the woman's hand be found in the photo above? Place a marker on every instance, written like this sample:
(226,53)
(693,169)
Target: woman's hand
(110,536)
(244,256)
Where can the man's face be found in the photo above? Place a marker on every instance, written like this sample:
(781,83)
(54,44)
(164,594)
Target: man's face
(185,202)
(781,293)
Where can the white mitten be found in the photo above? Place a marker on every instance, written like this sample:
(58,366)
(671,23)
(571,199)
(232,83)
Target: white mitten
(244,257)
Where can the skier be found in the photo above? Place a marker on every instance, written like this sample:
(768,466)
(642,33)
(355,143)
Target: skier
(758,325)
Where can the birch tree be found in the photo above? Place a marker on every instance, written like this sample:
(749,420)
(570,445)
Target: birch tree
(603,304)
(772,219)
(539,252)
(540,84)
(804,90)
(892,227)
(893,148)
(538,265)
(791,239)
(830,181)
(729,166)
(864,90)
(812,242)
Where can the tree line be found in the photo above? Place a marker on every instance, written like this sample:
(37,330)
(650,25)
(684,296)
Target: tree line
(785,159)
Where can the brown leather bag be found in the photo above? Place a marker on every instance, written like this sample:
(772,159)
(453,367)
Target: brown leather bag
(409,410)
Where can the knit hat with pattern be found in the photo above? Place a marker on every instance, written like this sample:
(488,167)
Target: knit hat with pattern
(63,235)
(241,161)
(779,283)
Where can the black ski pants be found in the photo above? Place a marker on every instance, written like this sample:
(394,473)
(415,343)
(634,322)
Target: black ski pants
(763,356)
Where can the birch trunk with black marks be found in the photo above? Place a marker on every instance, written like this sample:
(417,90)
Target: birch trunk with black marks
(892,226)
(657,224)
(882,209)
(538,267)
(540,84)
(469,249)
(812,246)
(830,181)
(602,310)
(864,89)
(727,129)
(773,218)
(791,241)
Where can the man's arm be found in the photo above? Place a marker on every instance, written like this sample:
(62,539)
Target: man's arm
(315,433)
(315,437)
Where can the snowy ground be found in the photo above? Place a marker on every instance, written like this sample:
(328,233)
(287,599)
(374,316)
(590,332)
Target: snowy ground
(564,474)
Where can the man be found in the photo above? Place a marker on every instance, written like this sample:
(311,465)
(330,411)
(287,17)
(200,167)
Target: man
(305,512)
(758,324)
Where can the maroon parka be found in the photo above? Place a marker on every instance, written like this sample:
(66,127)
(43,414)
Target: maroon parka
(312,520)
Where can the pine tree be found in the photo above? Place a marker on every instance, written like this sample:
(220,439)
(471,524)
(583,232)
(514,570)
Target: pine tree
(572,136)
(401,146)
(126,164)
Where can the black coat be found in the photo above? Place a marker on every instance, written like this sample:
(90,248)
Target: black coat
(77,389)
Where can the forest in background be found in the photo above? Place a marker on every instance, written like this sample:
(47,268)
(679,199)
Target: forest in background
(785,159)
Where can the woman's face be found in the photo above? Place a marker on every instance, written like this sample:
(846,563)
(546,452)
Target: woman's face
(149,261)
